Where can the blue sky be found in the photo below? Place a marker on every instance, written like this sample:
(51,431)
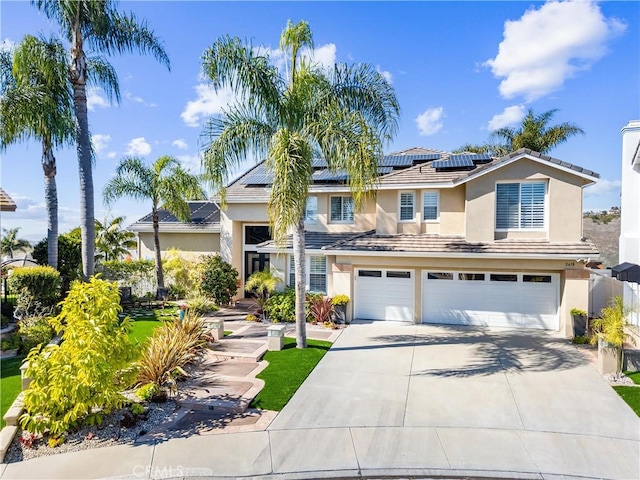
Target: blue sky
(459,70)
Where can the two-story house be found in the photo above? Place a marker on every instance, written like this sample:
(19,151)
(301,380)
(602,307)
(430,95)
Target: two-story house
(630,201)
(454,239)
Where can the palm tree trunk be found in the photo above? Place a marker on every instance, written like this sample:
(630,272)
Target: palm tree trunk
(51,201)
(85,157)
(300,277)
(156,244)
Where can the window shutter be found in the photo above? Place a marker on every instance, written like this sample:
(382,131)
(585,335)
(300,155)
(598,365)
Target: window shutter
(430,206)
(507,205)
(406,206)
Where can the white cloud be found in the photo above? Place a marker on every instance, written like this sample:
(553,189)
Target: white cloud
(96,98)
(190,162)
(180,143)
(100,142)
(138,146)
(324,55)
(430,121)
(7,44)
(134,98)
(509,116)
(208,103)
(31,216)
(548,45)
(385,73)
(111,155)
(603,187)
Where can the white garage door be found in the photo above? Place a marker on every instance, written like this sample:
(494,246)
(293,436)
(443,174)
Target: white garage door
(382,294)
(527,300)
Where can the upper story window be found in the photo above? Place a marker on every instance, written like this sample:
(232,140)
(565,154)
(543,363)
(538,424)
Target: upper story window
(430,206)
(407,206)
(520,205)
(342,209)
(311,210)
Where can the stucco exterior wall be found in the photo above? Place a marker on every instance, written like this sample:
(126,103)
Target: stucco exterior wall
(563,205)
(387,212)
(452,215)
(630,202)
(363,220)
(574,291)
(190,244)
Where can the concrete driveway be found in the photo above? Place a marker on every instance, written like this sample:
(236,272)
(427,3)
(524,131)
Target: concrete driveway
(392,398)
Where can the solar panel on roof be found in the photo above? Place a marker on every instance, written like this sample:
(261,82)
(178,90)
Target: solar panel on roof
(259,179)
(474,157)
(406,160)
(319,163)
(326,175)
(452,162)
(384,170)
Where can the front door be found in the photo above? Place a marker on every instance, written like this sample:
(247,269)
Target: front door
(255,262)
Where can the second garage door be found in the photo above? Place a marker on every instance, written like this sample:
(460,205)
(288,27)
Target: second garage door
(528,300)
(383,294)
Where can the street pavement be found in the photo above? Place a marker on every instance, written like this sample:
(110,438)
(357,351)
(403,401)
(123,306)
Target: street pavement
(392,399)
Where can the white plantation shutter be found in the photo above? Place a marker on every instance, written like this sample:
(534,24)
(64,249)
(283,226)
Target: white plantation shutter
(406,206)
(318,274)
(311,210)
(520,205)
(532,205)
(341,209)
(430,206)
(292,271)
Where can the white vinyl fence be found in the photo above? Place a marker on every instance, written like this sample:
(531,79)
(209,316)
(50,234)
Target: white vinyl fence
(603,288)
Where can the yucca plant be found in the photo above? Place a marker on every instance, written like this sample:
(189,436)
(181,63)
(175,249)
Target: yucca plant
(610,328)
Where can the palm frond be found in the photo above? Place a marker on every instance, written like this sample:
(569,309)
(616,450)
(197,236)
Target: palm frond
(102,74)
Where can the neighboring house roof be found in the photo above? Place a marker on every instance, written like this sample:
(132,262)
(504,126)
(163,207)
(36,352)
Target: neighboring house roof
(412,167)
(6,202)
(366,243)
(205,217)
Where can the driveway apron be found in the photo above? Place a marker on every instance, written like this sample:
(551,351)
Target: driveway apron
(397,398)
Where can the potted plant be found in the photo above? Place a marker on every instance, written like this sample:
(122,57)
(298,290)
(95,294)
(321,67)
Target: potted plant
(339,303)
(610,336)
(580,322)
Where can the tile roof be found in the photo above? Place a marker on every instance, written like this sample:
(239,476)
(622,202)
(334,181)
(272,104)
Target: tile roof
(6,202)
(204,215)
(313,240)
(441,244)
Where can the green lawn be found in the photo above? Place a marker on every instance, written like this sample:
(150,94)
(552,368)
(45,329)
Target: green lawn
(635,376)
(10,384)
(287,370)
(631,395)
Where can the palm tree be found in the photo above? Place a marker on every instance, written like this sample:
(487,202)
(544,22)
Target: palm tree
(112,242)
(532,133)
(165,183)
(36,103)
(11,243)
(95,24)
(344,114)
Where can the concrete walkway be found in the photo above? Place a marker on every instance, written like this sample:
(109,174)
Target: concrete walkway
(406,400)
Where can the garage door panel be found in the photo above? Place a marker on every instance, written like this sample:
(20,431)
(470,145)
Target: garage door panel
(505,303)
(384,295)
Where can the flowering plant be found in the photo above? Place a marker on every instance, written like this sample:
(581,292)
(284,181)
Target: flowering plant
(183,306)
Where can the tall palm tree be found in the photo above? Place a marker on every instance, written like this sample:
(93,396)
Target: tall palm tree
(344,114)
(533,133)
(11,243)
(97,25)
(165,183)
(112,242)
(36,103)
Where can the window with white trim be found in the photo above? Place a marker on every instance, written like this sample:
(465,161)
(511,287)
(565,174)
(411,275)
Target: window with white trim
(311,209)
(407,201)
(316,271)
(520,205)
(342,209)
(430,206)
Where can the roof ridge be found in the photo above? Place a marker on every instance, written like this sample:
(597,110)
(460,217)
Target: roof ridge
(357,235)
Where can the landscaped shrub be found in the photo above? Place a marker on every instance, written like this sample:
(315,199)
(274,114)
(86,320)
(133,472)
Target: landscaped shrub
(80,380)
(7,308)
(320,309)
(200,304)
(172,346)
(36,331)
(69,257)
(181,275)
(263,284)
(281,306)
(12,342)
(41,283)
(148,392)
(138,274)
(219,279)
